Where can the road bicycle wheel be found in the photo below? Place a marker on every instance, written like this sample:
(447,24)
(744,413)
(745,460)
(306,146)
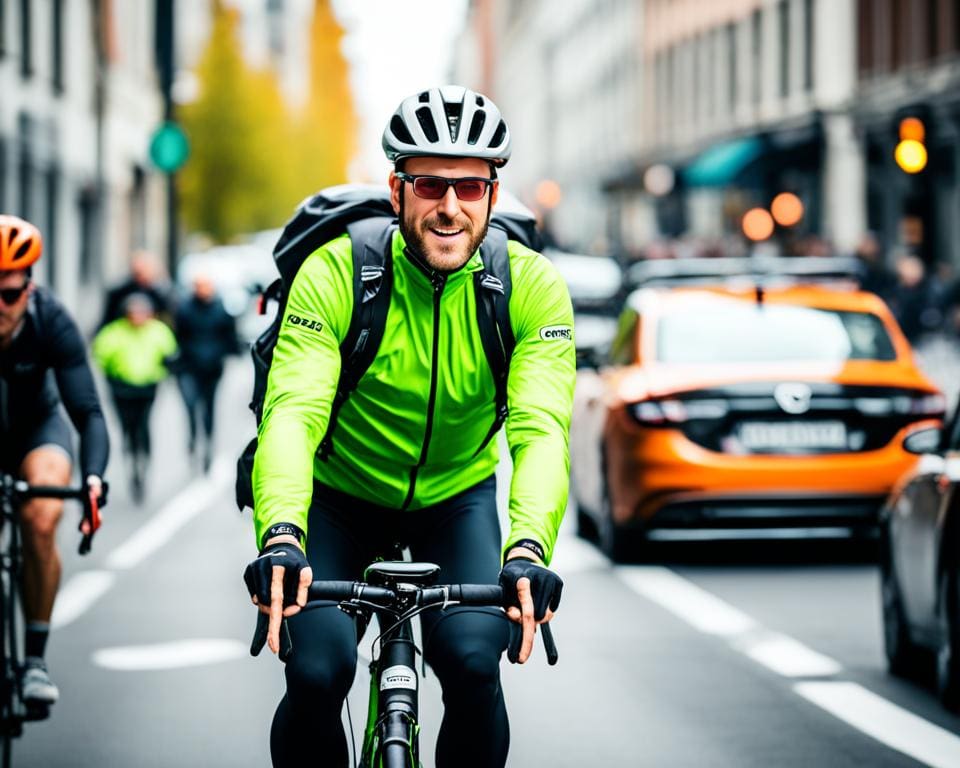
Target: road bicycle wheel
(8,673)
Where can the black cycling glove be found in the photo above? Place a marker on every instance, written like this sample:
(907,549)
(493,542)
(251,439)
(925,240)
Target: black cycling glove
(259,573)
(545,585)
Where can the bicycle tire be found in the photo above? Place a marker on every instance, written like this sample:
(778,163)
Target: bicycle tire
(7,670)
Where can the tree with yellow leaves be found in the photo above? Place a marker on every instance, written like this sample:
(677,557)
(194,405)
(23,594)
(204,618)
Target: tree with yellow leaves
(252,160)
(329,123)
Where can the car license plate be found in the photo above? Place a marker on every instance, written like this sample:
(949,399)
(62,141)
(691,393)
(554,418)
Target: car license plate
(793,435)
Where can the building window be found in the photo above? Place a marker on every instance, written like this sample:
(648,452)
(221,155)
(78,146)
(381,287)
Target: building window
(3,28)
(56,10)
(732,65)
(50,240)
(87,209)
(808,49)
(756,36)
(26,130)
(26,48)
(783,27)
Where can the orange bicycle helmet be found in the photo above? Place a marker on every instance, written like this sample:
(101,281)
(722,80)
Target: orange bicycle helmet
(20,243)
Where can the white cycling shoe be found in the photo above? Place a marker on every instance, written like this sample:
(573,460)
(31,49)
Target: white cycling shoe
(37,687)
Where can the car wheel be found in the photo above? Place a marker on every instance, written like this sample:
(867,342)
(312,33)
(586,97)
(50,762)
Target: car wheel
(618,543)
(586,527)
(903,656)
(948,651)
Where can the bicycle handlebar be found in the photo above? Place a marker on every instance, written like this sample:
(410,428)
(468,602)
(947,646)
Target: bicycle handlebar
(91,505)
(490,595)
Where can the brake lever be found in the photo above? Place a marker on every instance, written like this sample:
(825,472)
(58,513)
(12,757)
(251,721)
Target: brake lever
(260,634)
(548,644)
(260,637)
(91,516)
(516,640)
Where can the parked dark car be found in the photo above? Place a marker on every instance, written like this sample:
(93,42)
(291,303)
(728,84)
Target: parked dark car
(920,562)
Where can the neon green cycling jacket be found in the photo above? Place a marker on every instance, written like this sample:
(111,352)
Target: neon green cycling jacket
(407,437)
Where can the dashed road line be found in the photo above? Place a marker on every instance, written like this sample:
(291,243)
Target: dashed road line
(85,588)
(852,703)
(78,594)
(886,722)
(177,512)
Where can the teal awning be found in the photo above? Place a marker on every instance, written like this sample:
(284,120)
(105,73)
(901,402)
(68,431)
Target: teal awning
(720,164)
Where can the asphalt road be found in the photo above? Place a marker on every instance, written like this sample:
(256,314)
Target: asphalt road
(731,656)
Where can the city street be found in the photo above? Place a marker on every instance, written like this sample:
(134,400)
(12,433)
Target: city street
(737,657)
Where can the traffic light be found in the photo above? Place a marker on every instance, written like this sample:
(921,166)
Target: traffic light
(911,152)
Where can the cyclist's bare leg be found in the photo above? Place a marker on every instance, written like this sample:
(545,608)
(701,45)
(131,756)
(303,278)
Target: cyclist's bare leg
(46,465)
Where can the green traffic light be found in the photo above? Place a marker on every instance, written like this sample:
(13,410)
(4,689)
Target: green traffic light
(169,148)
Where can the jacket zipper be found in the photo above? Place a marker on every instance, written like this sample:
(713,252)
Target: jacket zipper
(439,281)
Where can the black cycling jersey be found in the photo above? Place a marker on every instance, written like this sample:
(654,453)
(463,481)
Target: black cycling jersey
(45,363)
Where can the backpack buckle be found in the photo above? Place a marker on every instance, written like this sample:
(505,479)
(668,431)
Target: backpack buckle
(492,283)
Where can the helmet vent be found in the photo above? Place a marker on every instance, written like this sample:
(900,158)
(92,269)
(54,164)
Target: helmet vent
(476,125)
(399,129)
(479,101)
(14,232)
(499,135)
(425,118)
(424,97)
(22,250)
(454,112)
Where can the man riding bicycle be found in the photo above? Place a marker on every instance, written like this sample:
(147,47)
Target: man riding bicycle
(411,459)
(38,336)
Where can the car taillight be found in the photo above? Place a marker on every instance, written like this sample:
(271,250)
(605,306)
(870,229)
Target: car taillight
(658,413)
(922,405)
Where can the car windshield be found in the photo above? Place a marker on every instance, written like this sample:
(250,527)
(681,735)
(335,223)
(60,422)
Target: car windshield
(771,333)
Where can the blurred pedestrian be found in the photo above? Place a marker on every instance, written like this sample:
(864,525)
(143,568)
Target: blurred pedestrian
(206,335)
(133,352)
(915,298)
(146,279)
(874,274)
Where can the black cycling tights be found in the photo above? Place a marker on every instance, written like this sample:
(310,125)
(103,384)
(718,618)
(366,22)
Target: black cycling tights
(463,646)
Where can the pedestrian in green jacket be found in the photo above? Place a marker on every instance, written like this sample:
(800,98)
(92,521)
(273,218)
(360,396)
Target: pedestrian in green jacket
(133,352)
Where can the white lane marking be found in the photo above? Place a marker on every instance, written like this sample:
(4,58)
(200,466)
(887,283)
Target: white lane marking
(181,653)
(689,602)
(162,526)
(78,594)
(885,722)
(786,656)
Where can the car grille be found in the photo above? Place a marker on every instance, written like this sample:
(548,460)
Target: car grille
(749,419)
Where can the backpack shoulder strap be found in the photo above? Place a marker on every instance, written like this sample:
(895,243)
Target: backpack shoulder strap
(493,286)
(371,240)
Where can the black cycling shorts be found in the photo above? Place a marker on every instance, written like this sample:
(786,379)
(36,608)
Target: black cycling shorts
(50,430)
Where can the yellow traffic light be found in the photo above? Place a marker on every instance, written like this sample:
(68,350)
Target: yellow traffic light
(911,155)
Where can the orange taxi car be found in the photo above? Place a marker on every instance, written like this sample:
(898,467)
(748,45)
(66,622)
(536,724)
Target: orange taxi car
(725,408)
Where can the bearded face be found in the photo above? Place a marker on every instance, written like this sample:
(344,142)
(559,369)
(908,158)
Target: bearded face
(447,231)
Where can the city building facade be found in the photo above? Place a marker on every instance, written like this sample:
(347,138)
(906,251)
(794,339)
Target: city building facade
(80,104)
(731,102)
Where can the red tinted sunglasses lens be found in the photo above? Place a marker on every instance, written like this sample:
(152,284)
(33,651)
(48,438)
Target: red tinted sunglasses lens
(428,188)
(470,190)
(11,295)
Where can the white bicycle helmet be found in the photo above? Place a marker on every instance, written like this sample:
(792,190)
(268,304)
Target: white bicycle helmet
(449,121)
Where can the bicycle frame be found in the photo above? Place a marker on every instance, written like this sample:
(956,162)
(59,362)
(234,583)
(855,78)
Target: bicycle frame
(392,730)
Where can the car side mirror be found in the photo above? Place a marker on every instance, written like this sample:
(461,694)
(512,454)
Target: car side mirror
(923,441)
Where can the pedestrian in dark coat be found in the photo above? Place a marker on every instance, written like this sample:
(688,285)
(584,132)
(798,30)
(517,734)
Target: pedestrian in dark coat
(206,334)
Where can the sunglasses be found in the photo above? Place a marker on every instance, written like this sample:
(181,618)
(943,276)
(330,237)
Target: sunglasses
(11,296)
(468,188)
